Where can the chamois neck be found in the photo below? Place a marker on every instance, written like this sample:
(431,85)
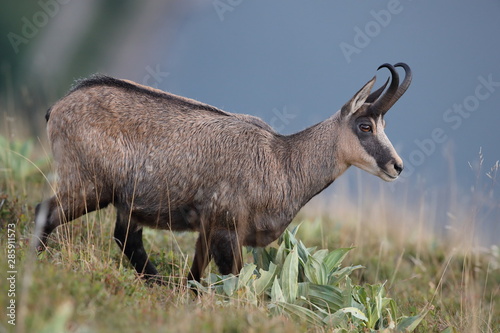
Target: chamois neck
(313,158)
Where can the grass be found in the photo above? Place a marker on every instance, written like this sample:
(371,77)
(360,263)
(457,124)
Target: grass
(83,283)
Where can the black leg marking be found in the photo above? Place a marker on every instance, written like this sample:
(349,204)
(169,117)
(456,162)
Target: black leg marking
(201,258)
(129,239)
(226,250)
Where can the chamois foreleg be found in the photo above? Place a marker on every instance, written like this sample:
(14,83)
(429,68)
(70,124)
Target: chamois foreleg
(226,249)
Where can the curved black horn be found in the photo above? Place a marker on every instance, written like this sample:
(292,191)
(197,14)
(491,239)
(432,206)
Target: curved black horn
(404,85)
(376,94)
(383,104)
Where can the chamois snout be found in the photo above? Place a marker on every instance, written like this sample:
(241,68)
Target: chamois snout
(392,169)
(377,156)
(388,163)
(398,166)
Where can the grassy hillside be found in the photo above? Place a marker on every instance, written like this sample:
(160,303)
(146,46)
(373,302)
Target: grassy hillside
(82,283)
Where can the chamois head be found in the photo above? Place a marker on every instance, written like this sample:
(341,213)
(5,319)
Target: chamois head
(364,142)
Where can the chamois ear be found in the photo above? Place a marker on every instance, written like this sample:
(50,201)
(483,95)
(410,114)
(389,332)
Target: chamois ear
(358,100)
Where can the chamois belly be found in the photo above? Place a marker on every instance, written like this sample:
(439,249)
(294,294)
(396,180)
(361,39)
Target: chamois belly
(161,216)
(262,238)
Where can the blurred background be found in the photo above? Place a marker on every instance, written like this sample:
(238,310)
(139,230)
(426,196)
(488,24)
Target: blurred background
(292,63)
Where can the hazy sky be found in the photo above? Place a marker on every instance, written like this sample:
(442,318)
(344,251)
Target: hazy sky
(294,63)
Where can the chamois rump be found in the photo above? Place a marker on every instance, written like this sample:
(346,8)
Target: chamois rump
(169,162)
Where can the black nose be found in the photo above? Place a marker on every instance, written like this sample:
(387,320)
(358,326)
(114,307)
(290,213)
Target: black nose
(398,167)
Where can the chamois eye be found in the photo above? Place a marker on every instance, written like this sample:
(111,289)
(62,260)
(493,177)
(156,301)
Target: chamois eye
(365,128)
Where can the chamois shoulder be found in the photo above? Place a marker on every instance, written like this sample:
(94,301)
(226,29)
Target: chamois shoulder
(100,80)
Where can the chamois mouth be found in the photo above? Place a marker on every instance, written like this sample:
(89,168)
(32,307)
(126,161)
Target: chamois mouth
(388,177)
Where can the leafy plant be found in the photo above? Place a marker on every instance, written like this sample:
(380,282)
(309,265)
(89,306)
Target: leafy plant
(312,286)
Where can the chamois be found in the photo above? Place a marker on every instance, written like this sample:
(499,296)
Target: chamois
(169,162)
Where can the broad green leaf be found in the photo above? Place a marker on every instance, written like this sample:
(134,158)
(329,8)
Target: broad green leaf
(262,257)
(371,297)
(321,311)
(334,258)
(360,295)
(339,319)
(355,313)
(314,271)
(393,309)
(303,290)
(212,278)
(276,292)
(281,254)
(229,284)
(289,240)
(409,324)
(303,252)
(389,306)
(347,299)
(196,285)
(376,304)
(295,230)
(289,275)
(246,274)
(328,298)
(301,313)
(339,275)
(320,255)
(265,280)
(312,249)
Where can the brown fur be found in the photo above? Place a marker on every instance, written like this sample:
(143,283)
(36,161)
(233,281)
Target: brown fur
(173,163)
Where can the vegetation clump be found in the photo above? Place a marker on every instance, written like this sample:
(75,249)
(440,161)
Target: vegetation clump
(312,286)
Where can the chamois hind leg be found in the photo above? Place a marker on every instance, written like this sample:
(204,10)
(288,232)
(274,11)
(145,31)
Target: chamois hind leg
(201,257)
(129,238)
(226,250)
(62,208)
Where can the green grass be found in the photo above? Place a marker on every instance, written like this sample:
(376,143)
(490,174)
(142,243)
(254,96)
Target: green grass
(82,283)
